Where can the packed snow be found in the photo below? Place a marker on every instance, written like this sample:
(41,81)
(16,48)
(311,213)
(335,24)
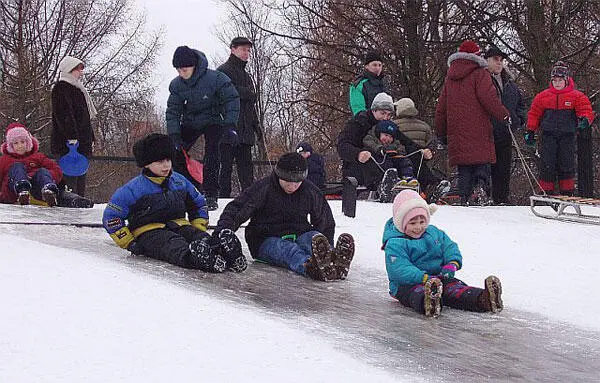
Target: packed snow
(71,313)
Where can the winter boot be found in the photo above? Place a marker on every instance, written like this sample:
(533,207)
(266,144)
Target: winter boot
(204,258)
(480,197)
(491,297)
(440,191)
(344,252)
(390,178)
(433,297)
(230,249)
(320,265)
(211,203)
(49,194)
(23,197)
(23,190)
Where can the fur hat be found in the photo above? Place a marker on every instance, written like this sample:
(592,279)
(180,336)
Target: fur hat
(560,69)
(469,46)
(291,167)
(153,147)
(16,131)
(388,127)
(383,101)
(409,204)
(494,51)
(184,56)
(373,56)
(304,147)
(403,104)
(237,41)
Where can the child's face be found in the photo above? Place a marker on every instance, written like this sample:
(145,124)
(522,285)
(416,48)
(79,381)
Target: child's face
(559,83)
(386,138)
(416,227)
(20,146)
(160,168)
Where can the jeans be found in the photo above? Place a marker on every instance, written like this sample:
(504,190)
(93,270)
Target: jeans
(17,174)
(286,253)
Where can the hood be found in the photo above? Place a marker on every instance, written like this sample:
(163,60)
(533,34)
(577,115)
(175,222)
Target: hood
(68,63)
(390,231)
(569,88)
(200,69)
(462,64)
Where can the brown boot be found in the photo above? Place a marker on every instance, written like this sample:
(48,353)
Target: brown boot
(320,265)
(491,297)
(23,198)
(433,297)
(344,252)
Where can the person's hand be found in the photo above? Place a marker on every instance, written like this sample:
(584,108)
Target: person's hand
(134,248)
(448,270)
(427,154)
(177,141)
(583,124)
(530,138)
(508,121)
(389,151)
(231,136)
(364,156)
(72,142)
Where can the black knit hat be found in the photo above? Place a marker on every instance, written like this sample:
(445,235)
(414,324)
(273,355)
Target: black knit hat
(388,127)
(494,51)
(291,167)
(304,147)
(373,56)
(153,147)
(237,41)
(184,56)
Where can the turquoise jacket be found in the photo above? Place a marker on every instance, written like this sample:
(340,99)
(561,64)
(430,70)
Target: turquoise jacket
(407,260)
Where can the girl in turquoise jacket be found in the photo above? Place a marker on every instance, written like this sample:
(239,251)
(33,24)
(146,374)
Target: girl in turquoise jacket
(421,260)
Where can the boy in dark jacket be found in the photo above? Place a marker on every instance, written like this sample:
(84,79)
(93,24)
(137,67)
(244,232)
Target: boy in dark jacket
(559,111)
(147,216)
(368,84)
(279,231)
(315,163)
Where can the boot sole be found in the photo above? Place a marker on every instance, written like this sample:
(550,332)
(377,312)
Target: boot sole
(344,253)
(216,265)
(433,298)
(321,255)
(494,289)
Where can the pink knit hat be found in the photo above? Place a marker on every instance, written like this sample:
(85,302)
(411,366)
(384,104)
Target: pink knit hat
(409,204)
(469,46)
(15,132)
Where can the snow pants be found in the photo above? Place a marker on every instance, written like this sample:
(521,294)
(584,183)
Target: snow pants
(469,176)
(557,156)
(456,294)
(171,243)
(19,181)
(242,155)
(403,165)
(290,253)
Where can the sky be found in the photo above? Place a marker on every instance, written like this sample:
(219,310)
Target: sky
(77,308)
(185,22)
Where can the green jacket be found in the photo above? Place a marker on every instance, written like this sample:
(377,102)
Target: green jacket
(364,89)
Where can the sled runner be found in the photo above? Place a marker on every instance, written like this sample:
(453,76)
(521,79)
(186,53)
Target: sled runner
(565,208)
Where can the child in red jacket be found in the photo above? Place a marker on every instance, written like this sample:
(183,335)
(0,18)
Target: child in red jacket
(560,111)
(24,171)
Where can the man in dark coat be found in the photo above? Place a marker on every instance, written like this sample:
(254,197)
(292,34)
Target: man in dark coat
(247,125)
(368,84)
(316,164)
(280,232)
(201,102)
(467,103)
(512,99)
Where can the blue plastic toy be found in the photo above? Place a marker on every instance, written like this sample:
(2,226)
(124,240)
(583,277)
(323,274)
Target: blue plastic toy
(74,164)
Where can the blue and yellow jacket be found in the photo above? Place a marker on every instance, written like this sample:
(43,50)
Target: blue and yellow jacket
(407,260)
(148,202)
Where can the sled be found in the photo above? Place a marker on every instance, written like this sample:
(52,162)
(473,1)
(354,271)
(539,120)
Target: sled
(565,208)
(195,168)
(74,164)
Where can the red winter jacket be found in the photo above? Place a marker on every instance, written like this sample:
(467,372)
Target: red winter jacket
(33,161)
(558,110)
(466,105)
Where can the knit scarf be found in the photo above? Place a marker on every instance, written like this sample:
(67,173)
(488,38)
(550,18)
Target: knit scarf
(69,78)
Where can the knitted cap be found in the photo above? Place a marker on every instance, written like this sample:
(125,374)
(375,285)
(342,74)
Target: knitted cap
(469,46)
(403,104)
(560,69)
(16,132)
(373,56)
(383,101)
(291,167)
(184,56)
(407,205)
(388,127)
(304,147)
(153,147)
(237,41)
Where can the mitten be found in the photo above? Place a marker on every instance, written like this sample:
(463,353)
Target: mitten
(449,270)
(134,248)
(231,136)
(177,141)
(72,142)
(530,138)
(583,124)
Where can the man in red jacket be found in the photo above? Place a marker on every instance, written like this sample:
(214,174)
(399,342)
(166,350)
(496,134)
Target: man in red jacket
(463,118)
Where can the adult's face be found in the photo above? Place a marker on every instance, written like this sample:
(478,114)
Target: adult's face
(185,72)
(495,64)
(77,72)
(289,187)
(382,114)
(374,67)
(242,52)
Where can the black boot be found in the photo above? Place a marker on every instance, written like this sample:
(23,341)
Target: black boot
(211,203)
(204,258)
(230,249)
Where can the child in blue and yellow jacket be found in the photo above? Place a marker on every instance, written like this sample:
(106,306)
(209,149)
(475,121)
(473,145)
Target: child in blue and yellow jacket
(419,256)
(147,216)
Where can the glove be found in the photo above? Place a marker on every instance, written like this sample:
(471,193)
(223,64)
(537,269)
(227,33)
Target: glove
(74,142)
(448,270)
(583,124)
(530,138)
(177,141)
(231,136)
(134,248)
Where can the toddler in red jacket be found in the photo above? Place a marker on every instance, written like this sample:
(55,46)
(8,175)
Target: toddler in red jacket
(559,112)
(25,172)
